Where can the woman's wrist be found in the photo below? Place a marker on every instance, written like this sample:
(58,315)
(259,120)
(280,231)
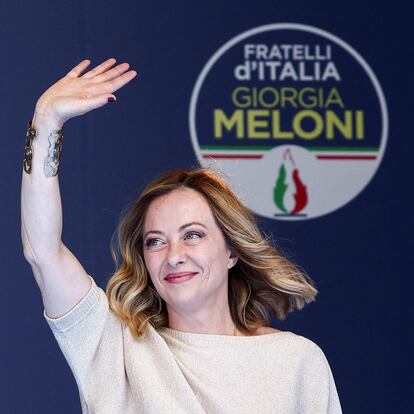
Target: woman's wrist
(44,121)
(44,129)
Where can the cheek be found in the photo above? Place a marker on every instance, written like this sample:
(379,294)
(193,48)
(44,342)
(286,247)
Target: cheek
(212,257)
(202,254)
(154,262)
(150,263)
(152,270)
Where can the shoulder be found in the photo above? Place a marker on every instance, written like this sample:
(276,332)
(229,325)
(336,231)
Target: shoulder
(304,362)
(309,347)
(295,347)
(308,354)
(298,341)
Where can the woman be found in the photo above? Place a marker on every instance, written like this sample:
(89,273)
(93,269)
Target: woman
(182,327)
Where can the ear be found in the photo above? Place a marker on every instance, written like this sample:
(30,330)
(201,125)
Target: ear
(233,258)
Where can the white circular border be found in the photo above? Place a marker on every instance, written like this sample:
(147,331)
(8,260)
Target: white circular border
(305,28)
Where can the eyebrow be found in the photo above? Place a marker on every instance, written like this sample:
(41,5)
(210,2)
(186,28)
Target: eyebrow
(183,227)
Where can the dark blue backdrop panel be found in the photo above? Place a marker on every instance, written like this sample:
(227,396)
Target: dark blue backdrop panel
(359,256)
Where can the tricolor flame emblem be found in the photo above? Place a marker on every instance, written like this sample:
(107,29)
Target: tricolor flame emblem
(280,189)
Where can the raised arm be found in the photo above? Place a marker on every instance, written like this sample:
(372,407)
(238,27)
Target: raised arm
(61,278)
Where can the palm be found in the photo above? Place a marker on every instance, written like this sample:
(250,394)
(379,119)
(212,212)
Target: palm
(76,94)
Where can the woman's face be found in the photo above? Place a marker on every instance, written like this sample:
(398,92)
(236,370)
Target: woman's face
(185,251)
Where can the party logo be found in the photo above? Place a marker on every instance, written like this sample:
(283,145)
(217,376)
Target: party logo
(293,116)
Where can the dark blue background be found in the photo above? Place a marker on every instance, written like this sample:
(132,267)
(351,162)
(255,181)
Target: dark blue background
(360,256)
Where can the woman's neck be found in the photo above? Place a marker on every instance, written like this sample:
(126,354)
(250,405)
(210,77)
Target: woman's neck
(205,321)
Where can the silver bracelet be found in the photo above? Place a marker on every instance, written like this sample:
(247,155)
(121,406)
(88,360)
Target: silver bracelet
(28,149)
(51,165)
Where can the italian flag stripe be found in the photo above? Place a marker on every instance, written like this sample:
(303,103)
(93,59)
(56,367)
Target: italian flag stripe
(321,153)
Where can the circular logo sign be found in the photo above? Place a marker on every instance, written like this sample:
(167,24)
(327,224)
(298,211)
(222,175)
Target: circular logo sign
(294,116)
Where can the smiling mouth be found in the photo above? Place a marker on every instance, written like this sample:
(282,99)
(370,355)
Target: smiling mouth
(179,276)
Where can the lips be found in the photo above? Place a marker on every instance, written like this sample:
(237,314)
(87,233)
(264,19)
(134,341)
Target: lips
(181,276)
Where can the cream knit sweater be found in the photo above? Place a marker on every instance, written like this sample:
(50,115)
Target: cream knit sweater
(173,372)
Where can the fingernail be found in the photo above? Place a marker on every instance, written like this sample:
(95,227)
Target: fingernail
(111,99)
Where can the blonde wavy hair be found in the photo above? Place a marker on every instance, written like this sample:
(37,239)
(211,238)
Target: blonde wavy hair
(261,284)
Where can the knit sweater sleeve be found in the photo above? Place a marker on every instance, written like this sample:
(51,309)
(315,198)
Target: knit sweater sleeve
(318,393)
(90,336)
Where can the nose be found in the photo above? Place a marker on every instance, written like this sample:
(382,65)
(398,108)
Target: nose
(175,254)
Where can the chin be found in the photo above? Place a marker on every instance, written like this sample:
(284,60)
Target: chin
(183,300)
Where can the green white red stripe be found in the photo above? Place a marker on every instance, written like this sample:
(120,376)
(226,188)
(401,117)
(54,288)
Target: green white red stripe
(321,153)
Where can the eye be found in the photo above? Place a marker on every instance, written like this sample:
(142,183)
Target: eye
(152,242)
(192,235)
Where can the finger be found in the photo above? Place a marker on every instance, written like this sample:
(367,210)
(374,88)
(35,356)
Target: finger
(77,70)
(100,68)
(113,73)
(117,83)
(96,102)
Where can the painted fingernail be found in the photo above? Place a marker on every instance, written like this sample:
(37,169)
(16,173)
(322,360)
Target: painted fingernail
(111,99)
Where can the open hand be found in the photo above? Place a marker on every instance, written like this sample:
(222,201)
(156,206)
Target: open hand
(76,94)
